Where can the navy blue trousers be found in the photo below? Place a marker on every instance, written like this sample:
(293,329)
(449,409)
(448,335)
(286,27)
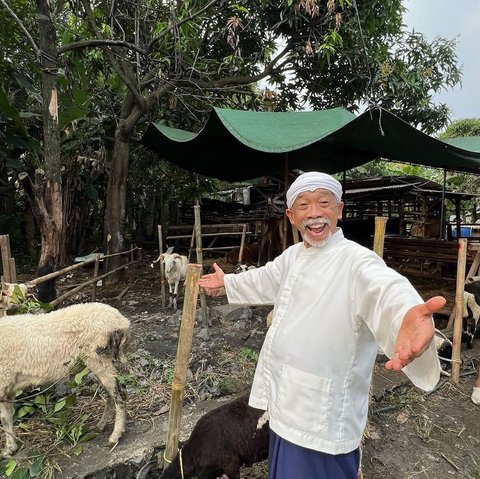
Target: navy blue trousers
(289,461)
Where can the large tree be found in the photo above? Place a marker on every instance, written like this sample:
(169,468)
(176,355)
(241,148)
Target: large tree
(174,60)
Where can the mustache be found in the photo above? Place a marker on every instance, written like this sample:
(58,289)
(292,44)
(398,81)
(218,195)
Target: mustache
(319,221)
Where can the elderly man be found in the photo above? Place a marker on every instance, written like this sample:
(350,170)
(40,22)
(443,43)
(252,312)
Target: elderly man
(335,302)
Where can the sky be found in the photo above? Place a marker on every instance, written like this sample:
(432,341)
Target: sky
(460,20)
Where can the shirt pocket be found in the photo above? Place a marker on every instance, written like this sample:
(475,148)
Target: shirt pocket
(303,400)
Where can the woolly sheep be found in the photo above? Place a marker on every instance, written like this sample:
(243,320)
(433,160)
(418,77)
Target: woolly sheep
(223,440)
(38,349)
(175,271)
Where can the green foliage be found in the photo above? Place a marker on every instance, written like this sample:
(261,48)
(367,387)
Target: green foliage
(25,303)
(70,429)
(465,127)
(248,355)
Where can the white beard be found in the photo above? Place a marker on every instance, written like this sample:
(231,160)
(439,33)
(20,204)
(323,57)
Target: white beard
(320,243)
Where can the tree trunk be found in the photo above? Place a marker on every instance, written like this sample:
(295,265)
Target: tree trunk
(48,186)
(115,204)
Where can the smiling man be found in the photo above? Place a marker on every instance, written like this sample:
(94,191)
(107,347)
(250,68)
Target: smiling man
(335,302)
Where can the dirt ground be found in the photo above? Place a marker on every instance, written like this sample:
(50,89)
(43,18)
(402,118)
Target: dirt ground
(410,434)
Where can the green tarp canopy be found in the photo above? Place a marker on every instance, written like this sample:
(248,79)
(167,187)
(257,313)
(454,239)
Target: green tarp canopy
(238,145)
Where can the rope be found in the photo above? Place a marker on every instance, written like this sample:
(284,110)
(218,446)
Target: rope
(180,459)
(181,463)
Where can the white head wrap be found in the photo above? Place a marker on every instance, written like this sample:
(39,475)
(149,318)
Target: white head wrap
(312,181)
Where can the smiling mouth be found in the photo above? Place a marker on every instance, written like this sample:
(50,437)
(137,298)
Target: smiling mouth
(316,230)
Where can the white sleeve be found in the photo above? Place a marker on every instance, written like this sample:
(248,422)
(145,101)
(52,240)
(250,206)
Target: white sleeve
(382,297)
(256,286)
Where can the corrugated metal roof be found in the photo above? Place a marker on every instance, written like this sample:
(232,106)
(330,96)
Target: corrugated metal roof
(378,188)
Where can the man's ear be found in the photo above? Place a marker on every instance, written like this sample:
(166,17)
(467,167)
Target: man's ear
(340,205)
(290,215)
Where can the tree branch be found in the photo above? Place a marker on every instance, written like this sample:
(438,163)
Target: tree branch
(22,27)
(100,43)
(181,22)
(129,82)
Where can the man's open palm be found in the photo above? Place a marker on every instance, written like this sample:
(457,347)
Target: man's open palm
(415,334)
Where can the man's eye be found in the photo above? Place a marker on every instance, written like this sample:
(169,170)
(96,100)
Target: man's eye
(325,204)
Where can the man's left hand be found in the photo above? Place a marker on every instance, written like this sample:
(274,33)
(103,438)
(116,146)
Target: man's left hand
(415,333)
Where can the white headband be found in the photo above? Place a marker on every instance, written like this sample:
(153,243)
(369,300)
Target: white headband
(312,181)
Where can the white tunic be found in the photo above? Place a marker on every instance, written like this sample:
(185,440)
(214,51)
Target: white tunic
(333,307)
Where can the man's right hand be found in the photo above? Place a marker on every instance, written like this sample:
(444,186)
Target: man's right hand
(213,283)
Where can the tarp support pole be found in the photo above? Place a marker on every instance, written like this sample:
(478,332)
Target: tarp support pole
(285,188)
(442,209)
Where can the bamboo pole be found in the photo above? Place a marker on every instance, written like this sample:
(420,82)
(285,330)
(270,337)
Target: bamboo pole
(13,270)
(192,242)
(162,265)
(62,298)
(457,324)
(473,271)
(95,274)
(183,356)
(5,250)
(242,244)
(198,238)
(285,188)
(42,279)
(379,237)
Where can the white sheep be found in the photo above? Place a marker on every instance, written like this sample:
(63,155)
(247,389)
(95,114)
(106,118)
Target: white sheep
(38,349)
(175,271)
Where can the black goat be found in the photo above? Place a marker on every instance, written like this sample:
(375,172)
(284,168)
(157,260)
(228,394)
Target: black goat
(223,440)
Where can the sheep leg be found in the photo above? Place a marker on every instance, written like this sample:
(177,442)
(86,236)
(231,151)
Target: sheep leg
(175,290)
(107,412)
(105,371)
(6,417)
(170,295)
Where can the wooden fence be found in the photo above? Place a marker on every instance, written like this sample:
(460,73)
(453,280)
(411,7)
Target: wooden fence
(10,276)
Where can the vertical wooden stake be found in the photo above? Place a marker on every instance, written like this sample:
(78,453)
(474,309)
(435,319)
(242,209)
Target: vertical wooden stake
(183,356)
(285,188)
(13,270)
(5,250)
(242,244)
(379,237)
(162,266)
(198,239)
(95,274)
(457,323)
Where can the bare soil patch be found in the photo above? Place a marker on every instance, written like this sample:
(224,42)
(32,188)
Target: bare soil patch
(410,435)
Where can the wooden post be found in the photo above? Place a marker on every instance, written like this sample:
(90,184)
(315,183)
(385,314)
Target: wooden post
(198,238)
(192,242)
(457,324)
(379,237)
(285,188)
(183,356)
(162,266)
(5,249)
(95,274)
(13,270)
(473,271)
(242,244)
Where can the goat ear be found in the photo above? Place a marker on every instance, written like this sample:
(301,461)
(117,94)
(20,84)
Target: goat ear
(162,256)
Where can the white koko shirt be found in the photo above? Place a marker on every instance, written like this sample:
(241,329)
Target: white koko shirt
(333,307)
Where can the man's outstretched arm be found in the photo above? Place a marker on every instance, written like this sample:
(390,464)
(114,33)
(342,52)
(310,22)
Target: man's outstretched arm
(415,333)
